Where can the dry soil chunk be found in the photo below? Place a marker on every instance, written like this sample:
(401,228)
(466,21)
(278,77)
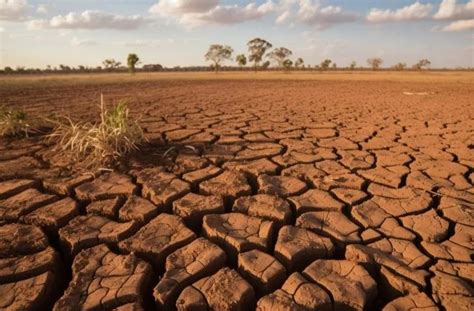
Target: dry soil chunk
(229,184)
(316,200)
(264,206)
(30,294)
(237,232)
(160,237)
(160,187)
(297,293)
(405,251)
(451,249)
(412,302)
(137,209)
(106,186)
(17,240)
(369,214)
(351,286)
(400,202)
(55,215)
(357,159)
(263,271)
(225,290)
(195,177)
(188,264)
(91,230)
(193,207)
(349,196)
(23,203)
(460,269)
(334,224)
(453,293)
(429,225)
(348,180)
(15,186)
(65,185)
(383,176)
(104,280)
(376,259)
(23,267)
(297,247)
(283,186)
(106,208)
(458,211)
(254,167)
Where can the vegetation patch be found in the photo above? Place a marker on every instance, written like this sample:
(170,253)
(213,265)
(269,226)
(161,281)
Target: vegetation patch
(115,136)
(14,123)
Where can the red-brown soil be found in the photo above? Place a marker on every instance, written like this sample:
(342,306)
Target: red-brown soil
(299,195)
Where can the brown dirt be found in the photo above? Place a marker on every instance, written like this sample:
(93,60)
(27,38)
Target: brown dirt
(336,194)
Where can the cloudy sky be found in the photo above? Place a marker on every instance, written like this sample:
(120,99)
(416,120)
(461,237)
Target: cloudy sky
(36,33)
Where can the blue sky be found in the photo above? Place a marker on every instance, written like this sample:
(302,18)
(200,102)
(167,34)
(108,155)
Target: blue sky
(36,33)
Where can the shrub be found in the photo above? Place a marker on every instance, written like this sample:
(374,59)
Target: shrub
(14,122)
(113,137)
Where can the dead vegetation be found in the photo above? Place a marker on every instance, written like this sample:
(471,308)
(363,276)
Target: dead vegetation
(14,123)
(115,136)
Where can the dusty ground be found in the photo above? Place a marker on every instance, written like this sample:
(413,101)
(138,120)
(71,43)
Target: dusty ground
(327,192)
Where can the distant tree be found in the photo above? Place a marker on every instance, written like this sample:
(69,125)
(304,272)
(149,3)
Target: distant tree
(423,63)
(257,49)
(325,64)
(375,62)
(287,63)
(241,60)
(299,62)
(81,68)
(266,64)
(280,55)
(132,61)
(334,66)
(8,69)
(152,67)
(400,66)
(111,64)
(217,54)
(353,65)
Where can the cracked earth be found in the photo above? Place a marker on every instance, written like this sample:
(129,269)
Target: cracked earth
(296,195)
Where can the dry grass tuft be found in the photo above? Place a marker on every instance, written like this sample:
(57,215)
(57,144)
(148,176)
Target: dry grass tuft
(14,123)
(113,137)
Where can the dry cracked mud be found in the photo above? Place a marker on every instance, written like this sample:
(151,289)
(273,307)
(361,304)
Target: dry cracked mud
(296,195)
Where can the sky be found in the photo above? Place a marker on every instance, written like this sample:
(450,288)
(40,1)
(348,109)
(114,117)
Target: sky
(37,33)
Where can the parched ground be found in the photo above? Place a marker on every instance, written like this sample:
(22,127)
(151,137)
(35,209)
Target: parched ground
(347,192)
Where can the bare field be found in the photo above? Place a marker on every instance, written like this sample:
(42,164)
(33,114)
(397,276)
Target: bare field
(303,191)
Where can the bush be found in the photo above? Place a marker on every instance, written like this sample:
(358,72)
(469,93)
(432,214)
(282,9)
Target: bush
(113,137)
(14,122)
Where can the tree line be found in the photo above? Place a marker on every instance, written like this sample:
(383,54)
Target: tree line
(260,55)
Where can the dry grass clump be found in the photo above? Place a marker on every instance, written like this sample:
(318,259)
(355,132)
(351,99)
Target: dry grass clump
(14,122)
(113,137)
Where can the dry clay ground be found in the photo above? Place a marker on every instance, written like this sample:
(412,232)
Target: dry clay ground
(300,195)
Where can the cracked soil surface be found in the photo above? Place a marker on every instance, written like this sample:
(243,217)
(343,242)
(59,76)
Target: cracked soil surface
(296,195)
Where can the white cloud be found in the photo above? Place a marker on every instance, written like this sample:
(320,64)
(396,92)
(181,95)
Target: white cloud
(90,20)
(13,10)
(416,11)
(234,14)
(166,7)
(42,9)
(195,13)
(311,12)
(142,43)
(460,25)
(449,9)
(75,42)
(2,29)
